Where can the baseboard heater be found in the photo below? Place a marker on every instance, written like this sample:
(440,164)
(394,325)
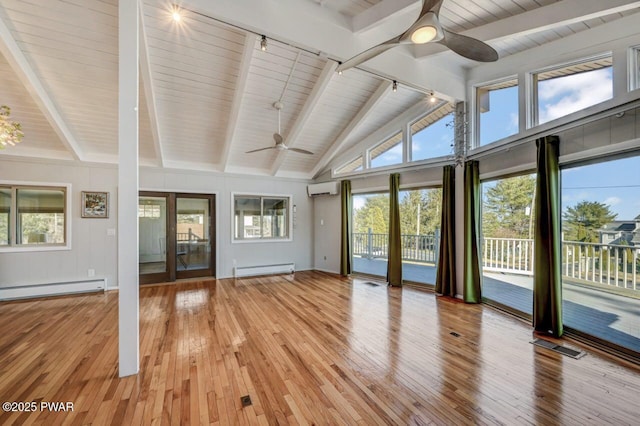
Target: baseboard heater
(53,289)
(251,271)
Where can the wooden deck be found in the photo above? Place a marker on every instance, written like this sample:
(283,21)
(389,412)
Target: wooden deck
(309,349)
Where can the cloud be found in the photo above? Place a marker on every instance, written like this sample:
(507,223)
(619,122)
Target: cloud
(561,96)
(513,122)
(612,201)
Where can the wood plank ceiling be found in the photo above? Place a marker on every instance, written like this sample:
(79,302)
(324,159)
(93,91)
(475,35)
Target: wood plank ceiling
(207,89)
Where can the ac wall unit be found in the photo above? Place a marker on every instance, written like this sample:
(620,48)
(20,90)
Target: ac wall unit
(325,188)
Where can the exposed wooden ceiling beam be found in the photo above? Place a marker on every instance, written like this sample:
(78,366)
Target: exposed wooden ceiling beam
(236,103)
(303,117)
(147,85)
(383,12)
(544,18)
(355,122)
(20,65)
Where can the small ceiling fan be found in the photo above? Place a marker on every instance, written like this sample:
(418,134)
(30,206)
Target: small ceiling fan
(427,29)
(278,139)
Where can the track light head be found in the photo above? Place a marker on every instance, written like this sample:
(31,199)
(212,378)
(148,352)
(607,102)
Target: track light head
(395,86)
(263,43)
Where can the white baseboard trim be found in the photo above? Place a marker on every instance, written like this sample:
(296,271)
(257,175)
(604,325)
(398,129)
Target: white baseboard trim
(53,289)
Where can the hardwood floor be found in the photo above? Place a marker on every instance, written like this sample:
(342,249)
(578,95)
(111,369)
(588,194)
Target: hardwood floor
(314,349)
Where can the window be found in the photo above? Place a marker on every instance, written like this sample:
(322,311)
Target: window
(261,217)
(601,250)
(33,216)
(433,135)
(508,227)
(564,90)
(497,109)
(388,152)
(370,233)
(420,225)
(353,166)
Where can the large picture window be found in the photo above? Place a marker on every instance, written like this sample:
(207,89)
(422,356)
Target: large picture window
(33,216)
(259,217)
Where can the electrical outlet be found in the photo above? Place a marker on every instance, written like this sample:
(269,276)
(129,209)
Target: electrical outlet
(91,272)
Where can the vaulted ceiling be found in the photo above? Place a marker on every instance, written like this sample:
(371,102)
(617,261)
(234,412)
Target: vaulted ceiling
(207,89)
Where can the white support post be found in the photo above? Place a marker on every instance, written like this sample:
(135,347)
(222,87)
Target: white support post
(128,298)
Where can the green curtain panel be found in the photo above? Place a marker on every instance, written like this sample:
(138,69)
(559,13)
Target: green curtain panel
(472,277)
(347,228)
(446,274)
(547,281)
(394,265)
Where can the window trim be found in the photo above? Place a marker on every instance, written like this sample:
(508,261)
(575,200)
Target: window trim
(68,216)
(633,62)
(290,218)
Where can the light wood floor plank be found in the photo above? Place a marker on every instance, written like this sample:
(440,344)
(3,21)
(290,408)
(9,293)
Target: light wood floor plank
(309,349)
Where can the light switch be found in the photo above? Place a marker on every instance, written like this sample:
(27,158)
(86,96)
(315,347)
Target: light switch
(111,232)
(321,222)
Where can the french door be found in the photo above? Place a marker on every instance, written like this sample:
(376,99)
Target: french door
(176,236)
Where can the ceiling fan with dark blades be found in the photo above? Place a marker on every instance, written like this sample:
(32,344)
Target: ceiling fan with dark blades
(427,29)
(278,139)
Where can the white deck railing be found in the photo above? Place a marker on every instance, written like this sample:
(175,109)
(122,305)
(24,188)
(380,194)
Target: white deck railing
(608,264)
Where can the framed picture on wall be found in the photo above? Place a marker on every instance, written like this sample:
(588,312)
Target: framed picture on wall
(95,204)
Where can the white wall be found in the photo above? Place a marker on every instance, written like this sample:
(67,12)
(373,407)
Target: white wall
(327,225)
(91,247)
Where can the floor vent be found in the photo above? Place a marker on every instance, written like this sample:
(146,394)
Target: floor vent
(372,284)
(245,400)
(558,348)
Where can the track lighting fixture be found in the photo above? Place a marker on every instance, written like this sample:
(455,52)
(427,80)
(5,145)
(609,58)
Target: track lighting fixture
(263,43)
(339,71)
(395,86)
(432,98)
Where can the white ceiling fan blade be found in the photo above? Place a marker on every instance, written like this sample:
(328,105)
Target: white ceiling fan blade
(301,151)
(469,47)
(261,149)
(368,54)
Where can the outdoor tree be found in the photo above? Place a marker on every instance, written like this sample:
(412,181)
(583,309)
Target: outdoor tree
(374,214)
(582,221)
(508,208)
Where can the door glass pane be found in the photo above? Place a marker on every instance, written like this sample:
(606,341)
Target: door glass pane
(601,250)
(370,233)
(5,209)
(507,242)
(420,226)
(192,234)
(152,250)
